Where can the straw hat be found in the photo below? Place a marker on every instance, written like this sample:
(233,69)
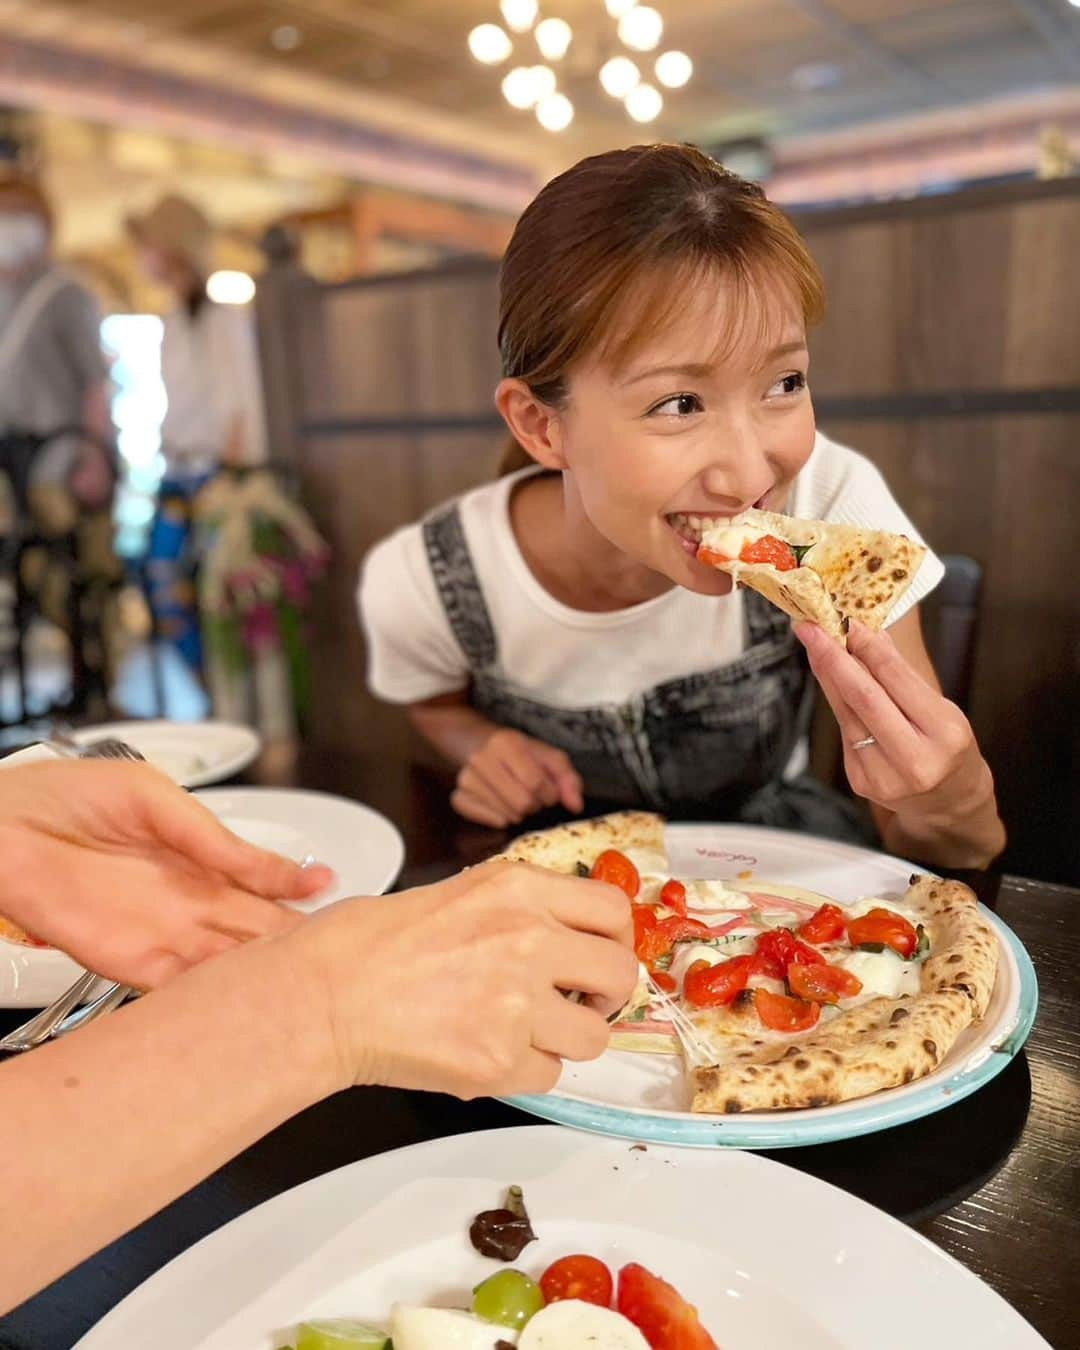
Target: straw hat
(179,227)
(21,193)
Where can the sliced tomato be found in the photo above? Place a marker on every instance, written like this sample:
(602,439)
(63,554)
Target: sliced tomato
(668,983)
(780,1013)
(716,986)
(617,869)
(823,983)
(884,926)
(779,949)
(674,896)
(582,1277)
(826,925)
(769,549)
(678,929)
(649,945)
(711,556)
(660,1312)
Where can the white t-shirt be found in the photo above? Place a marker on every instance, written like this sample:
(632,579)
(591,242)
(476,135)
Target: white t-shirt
(210,369)
(572,658)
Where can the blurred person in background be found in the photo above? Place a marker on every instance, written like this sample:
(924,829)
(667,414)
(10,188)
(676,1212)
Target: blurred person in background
(209,366)
(53,380)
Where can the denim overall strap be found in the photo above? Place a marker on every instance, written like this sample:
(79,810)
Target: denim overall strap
(459,587)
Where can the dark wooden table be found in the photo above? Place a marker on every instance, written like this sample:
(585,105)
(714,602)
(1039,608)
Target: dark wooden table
(992,1180)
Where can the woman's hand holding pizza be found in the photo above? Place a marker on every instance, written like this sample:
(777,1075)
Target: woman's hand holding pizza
(907,749)
(510,776)
(457,987)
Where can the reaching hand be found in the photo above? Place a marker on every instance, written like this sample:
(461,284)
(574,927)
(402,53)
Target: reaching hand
(132,876)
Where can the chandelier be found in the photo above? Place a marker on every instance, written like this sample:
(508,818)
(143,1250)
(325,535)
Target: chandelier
(535,87)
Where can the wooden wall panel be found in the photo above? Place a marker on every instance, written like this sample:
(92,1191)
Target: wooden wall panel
(360,489)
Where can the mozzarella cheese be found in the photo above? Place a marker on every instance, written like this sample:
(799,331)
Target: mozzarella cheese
(574,1325)
(730,540)
(648,861)
(444,1329)
(883,974)
(716,895)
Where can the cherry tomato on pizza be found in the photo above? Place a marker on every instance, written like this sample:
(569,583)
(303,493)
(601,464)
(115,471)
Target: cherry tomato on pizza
(778,949)
(825,925)
(886,927)
(668,983)
(823,983)
(767,549)
(581,1277)
(673,895)
(617,870)
(716,986)
(660,1312)
(780,1013)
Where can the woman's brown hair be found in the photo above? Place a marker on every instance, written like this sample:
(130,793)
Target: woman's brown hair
(604,253)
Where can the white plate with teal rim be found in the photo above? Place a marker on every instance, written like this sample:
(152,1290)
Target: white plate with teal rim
(643,1096)
(364,849)
(393,1228)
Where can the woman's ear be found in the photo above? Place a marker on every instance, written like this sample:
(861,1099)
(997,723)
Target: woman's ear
(534,425)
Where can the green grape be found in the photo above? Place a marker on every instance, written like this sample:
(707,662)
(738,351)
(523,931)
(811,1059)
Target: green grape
(339,1333)
(507,1298)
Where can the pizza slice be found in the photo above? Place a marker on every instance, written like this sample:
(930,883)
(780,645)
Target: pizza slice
(811,569)
(872,1013)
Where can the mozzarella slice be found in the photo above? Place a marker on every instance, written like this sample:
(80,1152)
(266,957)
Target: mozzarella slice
(573,1325)
(648,861)
(444,1329)
(883,974)
(716,895)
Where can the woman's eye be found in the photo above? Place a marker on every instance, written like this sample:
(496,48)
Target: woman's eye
(790,384)
(680,405)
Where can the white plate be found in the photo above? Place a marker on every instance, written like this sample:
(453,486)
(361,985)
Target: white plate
(394,1227)
(642,1096)
(363,847)
(194,754)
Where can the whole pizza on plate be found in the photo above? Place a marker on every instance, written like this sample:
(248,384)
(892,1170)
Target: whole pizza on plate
(801,1002)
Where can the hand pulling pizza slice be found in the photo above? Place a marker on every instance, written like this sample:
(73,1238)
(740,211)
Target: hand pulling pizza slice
(814,570)
(803,1002)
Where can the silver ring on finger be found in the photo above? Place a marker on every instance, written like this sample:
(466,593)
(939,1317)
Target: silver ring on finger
(865,743)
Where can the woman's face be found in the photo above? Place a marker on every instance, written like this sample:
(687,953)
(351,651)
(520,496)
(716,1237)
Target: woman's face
(683,434)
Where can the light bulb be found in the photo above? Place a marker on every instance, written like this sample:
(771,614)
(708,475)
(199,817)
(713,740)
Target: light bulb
(618,76)
(543,82)
(644,103)
(519,87)
(489,44)
(674,69)
(230,288)
(553,37)
(555,113)
(641,28)
(617,8)
(520,15)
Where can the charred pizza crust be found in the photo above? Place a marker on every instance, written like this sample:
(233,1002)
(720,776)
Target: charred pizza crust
(847,572)
(877,1045)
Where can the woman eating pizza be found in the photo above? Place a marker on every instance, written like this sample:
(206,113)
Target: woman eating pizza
(554,634)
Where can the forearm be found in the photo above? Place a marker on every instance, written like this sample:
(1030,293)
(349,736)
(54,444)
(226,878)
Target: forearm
(134,1110)
(455,730)
(968,836)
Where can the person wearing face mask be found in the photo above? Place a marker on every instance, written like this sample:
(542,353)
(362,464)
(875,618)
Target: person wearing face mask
(209,365)
(53,376)
(553,634)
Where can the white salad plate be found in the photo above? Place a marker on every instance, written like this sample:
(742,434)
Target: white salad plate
(193,754)
(770,1256)
(644,1096)
(364,849)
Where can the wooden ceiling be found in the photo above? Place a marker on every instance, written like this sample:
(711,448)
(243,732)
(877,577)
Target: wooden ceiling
(777,67)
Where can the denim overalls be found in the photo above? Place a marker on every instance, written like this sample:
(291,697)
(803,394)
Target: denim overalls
(710,746)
